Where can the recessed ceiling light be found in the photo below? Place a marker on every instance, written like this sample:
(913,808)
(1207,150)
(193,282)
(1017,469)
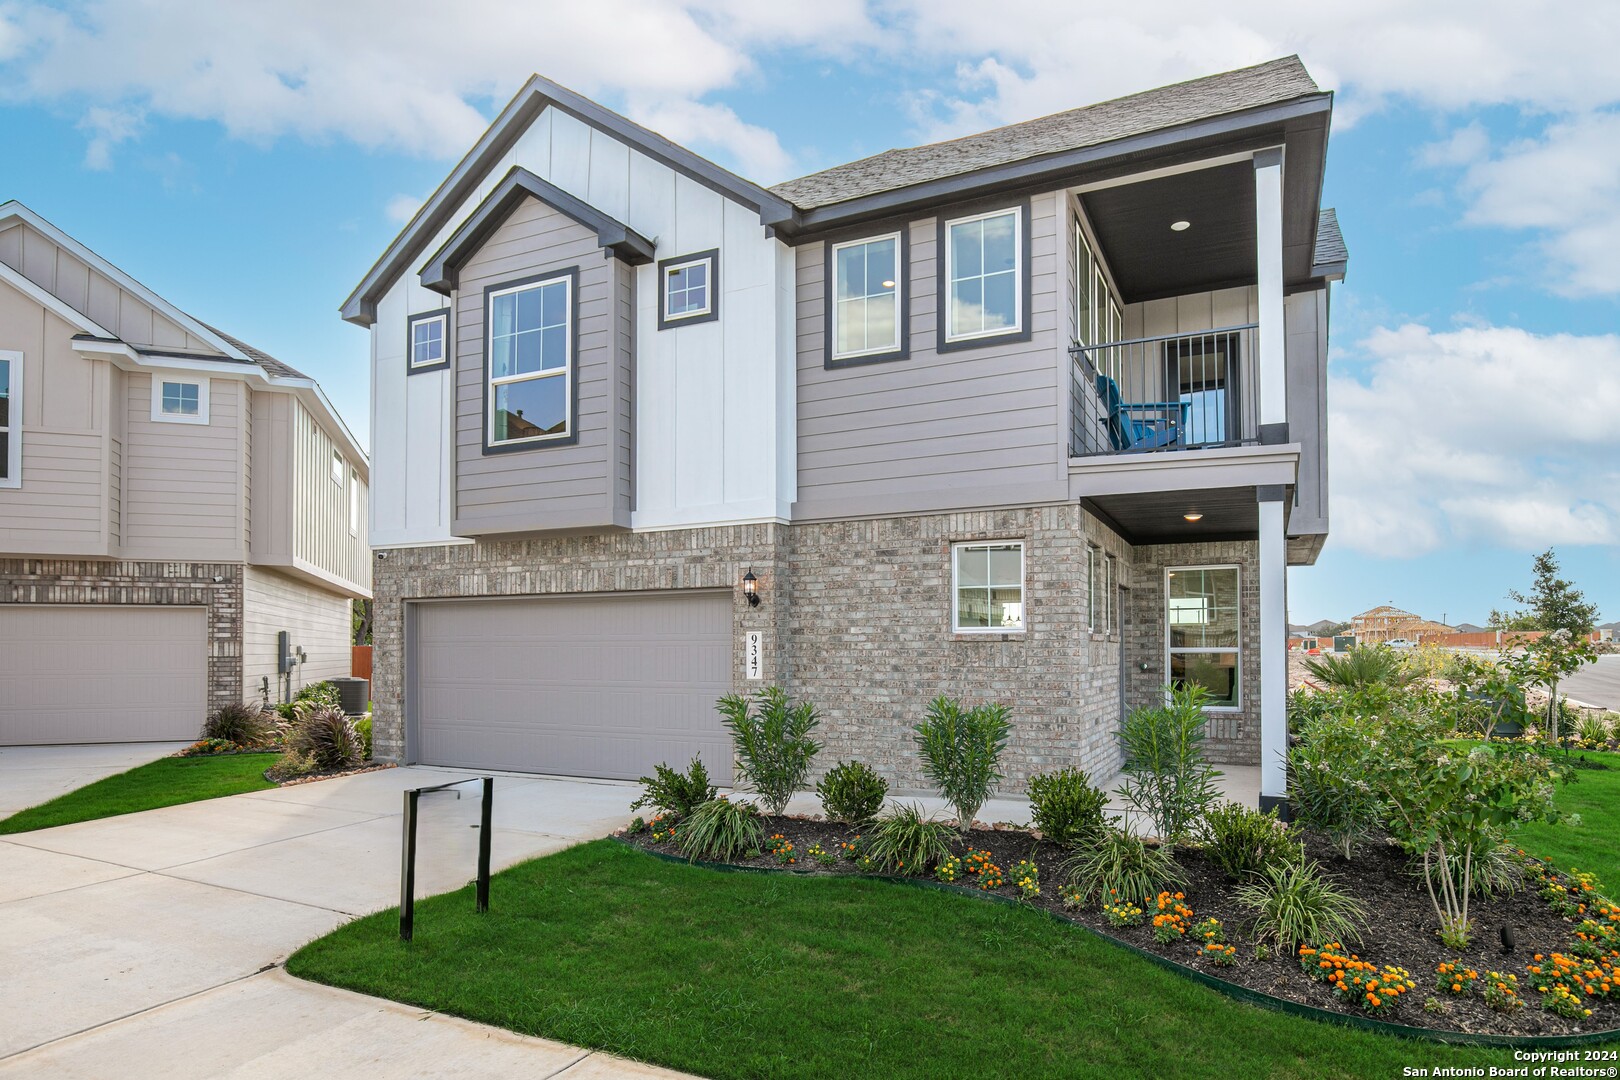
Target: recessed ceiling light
(1193,515)
(1180,226)
(888,284)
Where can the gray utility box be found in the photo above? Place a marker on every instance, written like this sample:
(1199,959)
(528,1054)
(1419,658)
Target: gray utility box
(353,695)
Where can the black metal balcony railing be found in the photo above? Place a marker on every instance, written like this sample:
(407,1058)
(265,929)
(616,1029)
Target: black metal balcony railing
(1172,392)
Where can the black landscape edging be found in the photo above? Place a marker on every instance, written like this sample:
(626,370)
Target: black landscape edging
(1221,986)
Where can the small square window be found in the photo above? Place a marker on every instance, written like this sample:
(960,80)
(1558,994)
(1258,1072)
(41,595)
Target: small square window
(987,588)
(179,401)
(427,341)
(688,289)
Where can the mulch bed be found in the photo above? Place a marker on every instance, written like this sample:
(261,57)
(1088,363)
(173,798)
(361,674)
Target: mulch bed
(1402,931)
(310,778)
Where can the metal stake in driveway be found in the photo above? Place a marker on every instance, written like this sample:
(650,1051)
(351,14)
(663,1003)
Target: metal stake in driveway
(407,868)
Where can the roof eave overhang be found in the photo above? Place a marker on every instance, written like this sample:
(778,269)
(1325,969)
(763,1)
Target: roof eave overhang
(1261,126)
(442,271)
(537,94)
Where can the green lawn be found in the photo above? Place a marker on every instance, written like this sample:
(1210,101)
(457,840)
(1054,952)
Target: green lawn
(164,782)
(1594,844)
(748,975)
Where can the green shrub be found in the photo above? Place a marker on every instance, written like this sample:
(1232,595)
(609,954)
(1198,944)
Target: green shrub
(1295,904)
(720,830)
(1594,730)
(961,752)
(1243,841)
(319,693)
(1329,787)
(362,728)
(1362,666)
(327,736)
(773,743)
(677,793)
(1166,774)
(903,841)
(245,725)
(1498,870)
(852,793)
(1120,867)
(291,765)
(1067,807)
(209,748)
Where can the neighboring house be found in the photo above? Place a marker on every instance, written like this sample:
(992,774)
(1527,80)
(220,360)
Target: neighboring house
(1388,623)
(170,501)
(1035,415)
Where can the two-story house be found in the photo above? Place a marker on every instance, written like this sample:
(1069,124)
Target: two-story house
(172,502)
(1034,415)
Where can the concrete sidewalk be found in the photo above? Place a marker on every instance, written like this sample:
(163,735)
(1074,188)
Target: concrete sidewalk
(142,945)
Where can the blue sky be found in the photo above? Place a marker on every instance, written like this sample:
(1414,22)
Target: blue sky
(249,162)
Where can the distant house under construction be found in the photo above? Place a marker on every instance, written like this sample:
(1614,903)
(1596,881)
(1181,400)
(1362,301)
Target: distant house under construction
(1389,623)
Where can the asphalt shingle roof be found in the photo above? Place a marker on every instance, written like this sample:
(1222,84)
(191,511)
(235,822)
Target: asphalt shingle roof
(260,357)
(1169,106)
(1329,240)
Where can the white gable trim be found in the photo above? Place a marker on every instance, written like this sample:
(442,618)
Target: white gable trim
(52,303)
(16,210)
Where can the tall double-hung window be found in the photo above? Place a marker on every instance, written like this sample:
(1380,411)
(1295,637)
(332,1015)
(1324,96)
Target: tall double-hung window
(1203,631)
(984,269)
(531,361)
(10,419)
(867,286)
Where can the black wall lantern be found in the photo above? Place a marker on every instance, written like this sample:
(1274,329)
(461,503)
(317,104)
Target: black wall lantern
(751,588)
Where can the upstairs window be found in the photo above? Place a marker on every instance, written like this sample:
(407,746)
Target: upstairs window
(1085,328)
(179,401)
(987,589)
(10,419)
(354,503)
(337,468)
(866,290)
(689,289)
(531,359)
(984,275)
(428,340)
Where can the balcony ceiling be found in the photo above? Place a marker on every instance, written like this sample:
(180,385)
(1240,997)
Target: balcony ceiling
(1156,517)
(1150,260)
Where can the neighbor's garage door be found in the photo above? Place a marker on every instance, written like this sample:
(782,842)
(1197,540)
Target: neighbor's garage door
(604,686)
(73,674)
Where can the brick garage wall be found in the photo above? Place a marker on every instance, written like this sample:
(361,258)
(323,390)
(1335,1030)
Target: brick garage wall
(600,563)
(856,617)
(85,581)
(1233,737)
(870,640)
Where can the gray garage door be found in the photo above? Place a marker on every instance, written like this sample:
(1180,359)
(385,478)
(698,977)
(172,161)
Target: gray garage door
(72,674)
(604,686)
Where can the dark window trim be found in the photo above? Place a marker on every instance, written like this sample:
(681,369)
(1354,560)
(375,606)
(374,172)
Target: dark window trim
(485,391)
(713,255)
(828,361)
(942,286)
(410,341)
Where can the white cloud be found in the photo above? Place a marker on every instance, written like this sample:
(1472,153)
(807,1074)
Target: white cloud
(107,128)
(1484,435)
(401,208)
(756,150)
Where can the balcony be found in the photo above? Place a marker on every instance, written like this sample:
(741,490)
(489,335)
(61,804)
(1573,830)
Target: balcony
(1157,395)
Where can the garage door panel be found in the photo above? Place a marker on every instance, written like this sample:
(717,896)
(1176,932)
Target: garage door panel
(605,686)
(74,674)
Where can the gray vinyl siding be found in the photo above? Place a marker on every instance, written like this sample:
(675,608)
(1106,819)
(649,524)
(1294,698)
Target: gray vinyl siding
(1306,319)
(315,619)
(183,482)
(319,508)
(933,431)
(585,483)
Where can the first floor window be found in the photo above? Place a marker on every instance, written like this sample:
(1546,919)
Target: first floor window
(179,401)
(429,339)
(866,296)
(530,361)
(1110,592)
(687,285)
(1203,631)
(988,587)
(10,418)
(1091,589)
(983,266)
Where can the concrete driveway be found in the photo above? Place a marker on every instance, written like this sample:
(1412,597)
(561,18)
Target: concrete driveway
(30,775)
(146,945)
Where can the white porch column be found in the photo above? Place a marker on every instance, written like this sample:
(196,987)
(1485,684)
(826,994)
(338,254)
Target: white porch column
(1273,646)
(1272,342)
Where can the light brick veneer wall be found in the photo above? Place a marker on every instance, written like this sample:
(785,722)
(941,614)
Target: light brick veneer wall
(1233,737)
(87,581)
(856,615)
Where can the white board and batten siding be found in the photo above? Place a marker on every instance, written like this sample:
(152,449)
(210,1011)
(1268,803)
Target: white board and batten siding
(316,620)
(709,444)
